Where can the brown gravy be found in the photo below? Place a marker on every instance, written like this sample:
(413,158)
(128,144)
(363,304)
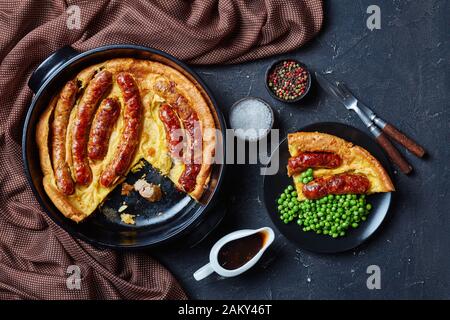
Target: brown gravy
(236,253)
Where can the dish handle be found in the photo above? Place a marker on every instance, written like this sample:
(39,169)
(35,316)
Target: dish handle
(49,66)
(203,272)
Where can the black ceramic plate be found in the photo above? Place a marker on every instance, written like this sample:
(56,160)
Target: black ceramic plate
(275,184)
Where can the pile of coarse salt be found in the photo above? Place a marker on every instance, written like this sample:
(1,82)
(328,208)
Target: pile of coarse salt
(251,119)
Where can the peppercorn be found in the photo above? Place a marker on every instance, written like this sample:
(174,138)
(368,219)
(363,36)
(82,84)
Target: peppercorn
(288,80)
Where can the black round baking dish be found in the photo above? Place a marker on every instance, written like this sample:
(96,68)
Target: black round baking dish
(101,228)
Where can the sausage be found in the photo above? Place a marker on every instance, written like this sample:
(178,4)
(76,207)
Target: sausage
(102,125)
(129,139)
(95,90)
(62,111)
(174,133)
(189,118)
(193,159)
(345,183)
(306,160)
(188,178)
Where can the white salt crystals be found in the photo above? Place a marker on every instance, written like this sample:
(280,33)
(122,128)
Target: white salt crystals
(251,118)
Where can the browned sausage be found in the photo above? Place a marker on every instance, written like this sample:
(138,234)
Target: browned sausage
(190,122)
(305,160)
(129,139)
(174,133)
(193,159)
(63,108)
(95,90)
(106,116)
(345,183)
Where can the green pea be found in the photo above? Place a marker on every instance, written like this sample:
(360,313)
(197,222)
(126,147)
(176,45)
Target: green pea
(305,181)
(290,188)
(354,225)
(368,206)
(309,171)
(294,193)
(280,201)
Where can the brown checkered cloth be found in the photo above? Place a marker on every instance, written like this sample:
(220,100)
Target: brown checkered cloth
(34,252)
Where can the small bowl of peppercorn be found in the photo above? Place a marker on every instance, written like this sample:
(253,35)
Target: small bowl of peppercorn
(288,80)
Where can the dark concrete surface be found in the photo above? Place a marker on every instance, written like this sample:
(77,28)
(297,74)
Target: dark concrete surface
(403,72)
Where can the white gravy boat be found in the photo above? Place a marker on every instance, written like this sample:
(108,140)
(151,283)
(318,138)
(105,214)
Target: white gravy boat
(214,266)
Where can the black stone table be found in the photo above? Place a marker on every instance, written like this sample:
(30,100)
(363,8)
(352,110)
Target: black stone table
(403,72)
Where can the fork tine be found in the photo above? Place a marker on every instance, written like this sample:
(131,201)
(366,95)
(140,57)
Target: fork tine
(338,92)
(331,86)
(344,89)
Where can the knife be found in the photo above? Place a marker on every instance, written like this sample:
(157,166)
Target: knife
(387,128)
(340,92)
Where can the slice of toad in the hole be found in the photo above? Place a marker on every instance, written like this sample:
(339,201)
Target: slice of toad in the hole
(329,156)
